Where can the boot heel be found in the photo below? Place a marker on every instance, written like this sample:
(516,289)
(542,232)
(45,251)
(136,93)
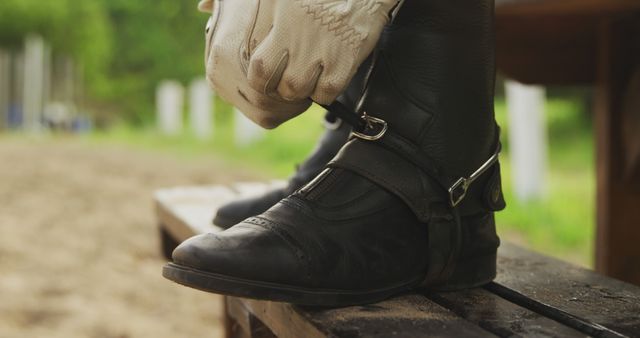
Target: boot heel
(470,272)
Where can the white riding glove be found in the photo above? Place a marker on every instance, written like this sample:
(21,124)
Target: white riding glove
(268,57)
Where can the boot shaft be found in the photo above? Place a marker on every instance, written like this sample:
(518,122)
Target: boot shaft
(434,80)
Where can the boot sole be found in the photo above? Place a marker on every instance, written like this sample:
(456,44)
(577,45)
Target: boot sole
(472,272)
(244,288)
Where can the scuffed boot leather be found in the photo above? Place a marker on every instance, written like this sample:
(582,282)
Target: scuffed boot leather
(379,220)
(334,137)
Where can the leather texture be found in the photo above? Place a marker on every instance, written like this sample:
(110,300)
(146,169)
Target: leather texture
(374,219)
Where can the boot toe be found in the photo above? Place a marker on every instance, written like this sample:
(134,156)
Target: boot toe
(194,252)
(244,251)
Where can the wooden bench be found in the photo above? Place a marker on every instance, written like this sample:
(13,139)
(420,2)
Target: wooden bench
(533,295)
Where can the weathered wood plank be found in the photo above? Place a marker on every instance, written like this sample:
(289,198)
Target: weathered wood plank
(582,293)
(500,316)
(283,320)
(187,211)
(243,322)
(405,316)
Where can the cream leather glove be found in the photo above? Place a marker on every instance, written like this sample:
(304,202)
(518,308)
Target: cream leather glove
(227,75)
(268,57)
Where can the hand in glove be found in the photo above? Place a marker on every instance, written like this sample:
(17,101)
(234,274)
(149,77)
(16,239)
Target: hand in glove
(268,57)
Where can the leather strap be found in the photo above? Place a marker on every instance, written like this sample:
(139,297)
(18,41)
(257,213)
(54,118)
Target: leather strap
(444,244)
(376,130)
(415,155)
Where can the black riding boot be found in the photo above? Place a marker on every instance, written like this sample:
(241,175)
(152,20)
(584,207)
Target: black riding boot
(407,203)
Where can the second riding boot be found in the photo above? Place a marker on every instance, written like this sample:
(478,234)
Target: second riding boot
(407,203)
(334,137)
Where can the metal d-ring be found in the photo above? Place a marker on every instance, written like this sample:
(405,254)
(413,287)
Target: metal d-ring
(370,123)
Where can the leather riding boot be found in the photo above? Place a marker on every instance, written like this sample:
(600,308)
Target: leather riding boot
(407,203)
(334,137)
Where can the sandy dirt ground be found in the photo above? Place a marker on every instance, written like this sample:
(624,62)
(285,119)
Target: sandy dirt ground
(79,252)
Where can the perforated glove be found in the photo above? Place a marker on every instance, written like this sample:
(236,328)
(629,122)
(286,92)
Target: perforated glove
(268,57)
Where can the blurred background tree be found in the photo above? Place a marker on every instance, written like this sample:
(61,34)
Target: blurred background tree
(154,40)
(123,47)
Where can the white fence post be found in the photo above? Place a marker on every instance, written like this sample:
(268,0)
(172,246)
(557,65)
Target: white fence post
(527,139)
(201,108)
(16,113)
(33,90)
(5,78)
(246,132)
(169,107)
(46,77)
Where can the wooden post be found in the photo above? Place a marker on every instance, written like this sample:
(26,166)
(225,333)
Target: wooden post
(618,197)
(527,139)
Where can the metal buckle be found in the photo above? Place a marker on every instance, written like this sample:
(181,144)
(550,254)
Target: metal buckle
(372,123)
(458,190)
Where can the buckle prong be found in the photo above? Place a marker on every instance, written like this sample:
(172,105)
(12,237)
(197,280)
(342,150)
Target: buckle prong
(370,124)
(458,190)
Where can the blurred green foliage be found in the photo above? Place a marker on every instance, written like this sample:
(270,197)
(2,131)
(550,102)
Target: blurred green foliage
(275,155)
(124,47)
(77,28)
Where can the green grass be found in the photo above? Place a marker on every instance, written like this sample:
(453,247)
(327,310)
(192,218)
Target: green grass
(275,155)
(560,224)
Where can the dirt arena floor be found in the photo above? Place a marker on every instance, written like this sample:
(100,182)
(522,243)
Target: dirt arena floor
(79,252)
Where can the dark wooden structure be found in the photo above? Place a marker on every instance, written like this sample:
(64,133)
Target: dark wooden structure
(533,296)
(596,43)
